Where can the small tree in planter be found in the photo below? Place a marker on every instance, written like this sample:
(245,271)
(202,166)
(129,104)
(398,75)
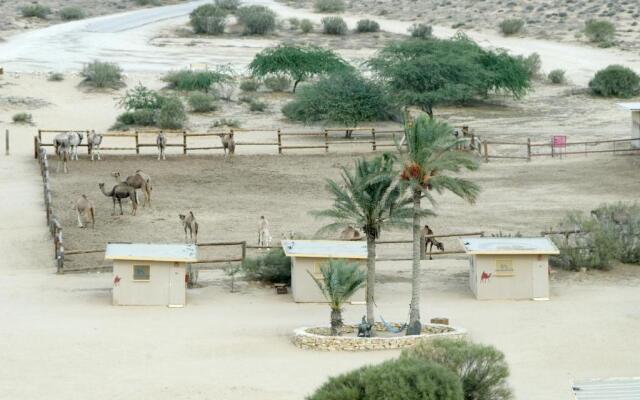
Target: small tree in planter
(338,282)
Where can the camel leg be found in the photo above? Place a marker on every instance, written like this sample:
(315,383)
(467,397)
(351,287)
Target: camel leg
(430,250)
(114,206)
(66,171)
(79,219)
(120,204)
(185,233)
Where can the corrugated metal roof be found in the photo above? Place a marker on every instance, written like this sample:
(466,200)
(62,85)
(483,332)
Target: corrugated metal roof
(608,389)
(540,245)
(152,252)
(630,106)
(325,249)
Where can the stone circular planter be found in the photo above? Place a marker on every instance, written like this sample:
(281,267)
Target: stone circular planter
(319,338)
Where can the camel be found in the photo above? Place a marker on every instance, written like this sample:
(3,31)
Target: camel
(85,211)
(430,241)
(94,140)
(228,143)
(63,150)
(161,142)
(139,180)
(189,223)
(119,192)
(264,237)
(75,138)
(350,233)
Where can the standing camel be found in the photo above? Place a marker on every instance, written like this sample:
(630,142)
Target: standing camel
(264,236)
(119,192)
(228,143)
(139,180)
(94,140)
(161,143)
(63,150)
(75,138)
(190,224)
(430,241)
(85,211)
(350,233)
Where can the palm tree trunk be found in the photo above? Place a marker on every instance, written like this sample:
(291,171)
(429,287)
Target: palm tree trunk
(371,276)
(336,321)
(415,327)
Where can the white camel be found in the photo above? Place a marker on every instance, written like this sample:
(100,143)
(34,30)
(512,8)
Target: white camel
(85,211)
(63,150)
(94,140)
(161,142)
(75,138)
(264,236)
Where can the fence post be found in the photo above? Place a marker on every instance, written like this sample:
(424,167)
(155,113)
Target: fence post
(184,142)
(244,250)
(326,141)
(6,142)
(528,149)
(373,138)
(40,135)
(35,147)
(552,149)
(486,151)
(279,141)
(137,142)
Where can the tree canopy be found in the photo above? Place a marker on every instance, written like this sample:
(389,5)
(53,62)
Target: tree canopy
(300,63)
(430,72)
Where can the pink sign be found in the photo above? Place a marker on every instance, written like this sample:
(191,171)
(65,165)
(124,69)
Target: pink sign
(559,141)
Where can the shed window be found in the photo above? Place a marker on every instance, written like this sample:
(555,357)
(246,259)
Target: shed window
(141,272)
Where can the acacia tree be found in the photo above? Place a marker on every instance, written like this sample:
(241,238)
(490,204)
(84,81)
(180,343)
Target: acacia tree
(431,72)
(430,154)
(299,63)
(372,199)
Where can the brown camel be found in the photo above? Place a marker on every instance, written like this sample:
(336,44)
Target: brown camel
(350,233)
(139,180)
(85,210)
(228,143)
(119,192)
(430,241)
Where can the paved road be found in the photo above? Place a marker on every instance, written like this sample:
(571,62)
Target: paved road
(125,38)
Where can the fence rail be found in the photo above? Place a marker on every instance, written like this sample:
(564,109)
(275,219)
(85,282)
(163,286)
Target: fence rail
(55,228)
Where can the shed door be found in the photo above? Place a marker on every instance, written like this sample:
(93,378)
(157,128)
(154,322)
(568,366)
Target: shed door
(540,279)
(176,285)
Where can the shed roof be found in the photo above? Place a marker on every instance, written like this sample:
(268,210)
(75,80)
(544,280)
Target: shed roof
(152,252)
(538,245)
(630,106)
(607,389)
(325,249)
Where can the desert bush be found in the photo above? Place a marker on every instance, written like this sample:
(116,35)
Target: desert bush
(148,2)
(511,26)
(209,19)
(55,76)
(533,64)
(257,105)
(557,76)
(294,22)
(600,32)
(404,378)
(334,26)
(229,122)
(101,74)
(257,20)
(329,6)
(230,5)
(273,267)
(249,85)
(172,114)
(421,31)
(201,102)
(140,98)
(482,369)
(622,221)
(277,83)
(189,80)
(22,118)
(615,81)
(367,25)
(35,11)
(71,13)
(306,26)
(345,97)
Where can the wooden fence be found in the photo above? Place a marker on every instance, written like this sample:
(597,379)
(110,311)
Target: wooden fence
(55,228)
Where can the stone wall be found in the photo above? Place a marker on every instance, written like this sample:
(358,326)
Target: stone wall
(319,338)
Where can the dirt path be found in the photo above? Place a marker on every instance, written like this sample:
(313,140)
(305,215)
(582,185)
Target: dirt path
(125,38)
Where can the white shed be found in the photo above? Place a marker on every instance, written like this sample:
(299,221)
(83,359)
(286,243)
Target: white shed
(635,121)
(509,268)
(150,274)
(307,256)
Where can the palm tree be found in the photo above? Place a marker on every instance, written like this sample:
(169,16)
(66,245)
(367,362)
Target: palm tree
(370,198)
(339,281)
(431,153)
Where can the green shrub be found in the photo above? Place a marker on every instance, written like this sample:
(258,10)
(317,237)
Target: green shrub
(273,267)
(230,5)
(257,20)
(482,369)
(622,221)
(557,76)
(367,25)
(140,97)
(277,83)
(55,77)
(421,31)
(249,85)
(334,26)
(533,64)
(202,102)
(22,118)
(71,13)
(600,32)
(172,114)
(345,98)
(141,117)
(329,6)
(148,2)
(257,105)
(405,378)
(615,81)
(102,75)
(229,122)
(35,11)
(189,80)
(306,26)
(209,19)
(511,26)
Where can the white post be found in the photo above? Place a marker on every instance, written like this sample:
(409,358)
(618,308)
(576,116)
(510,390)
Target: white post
(6,142)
